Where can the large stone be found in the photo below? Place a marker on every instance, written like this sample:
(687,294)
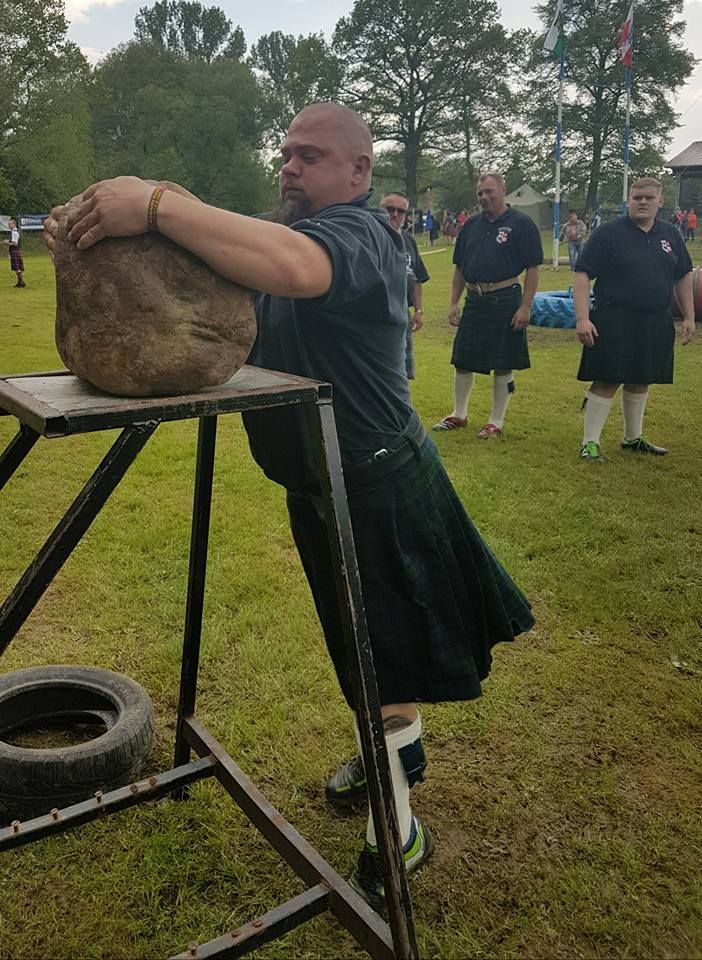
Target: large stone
(141,316)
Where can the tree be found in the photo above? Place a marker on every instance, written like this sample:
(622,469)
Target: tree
(594,107)
(294,72)
(158,115)
(45,149)
(421,70)
(189,29)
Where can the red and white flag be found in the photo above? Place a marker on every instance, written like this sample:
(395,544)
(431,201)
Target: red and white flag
(626,39)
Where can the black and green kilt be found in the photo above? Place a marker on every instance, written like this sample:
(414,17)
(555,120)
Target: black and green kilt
(485,339)
(436,599)
(631,346)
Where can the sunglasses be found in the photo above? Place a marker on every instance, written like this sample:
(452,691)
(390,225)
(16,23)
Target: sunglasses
(401,210)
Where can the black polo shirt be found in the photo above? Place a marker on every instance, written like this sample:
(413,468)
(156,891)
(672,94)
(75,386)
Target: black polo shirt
(635,269)
(353,337)
(494,250)
(416,271)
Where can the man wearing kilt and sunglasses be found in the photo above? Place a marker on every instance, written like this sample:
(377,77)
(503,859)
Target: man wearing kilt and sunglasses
(491,252)
(332,305)
(628,336)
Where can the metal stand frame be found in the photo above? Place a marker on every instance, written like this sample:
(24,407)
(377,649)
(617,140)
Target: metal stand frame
(56,404)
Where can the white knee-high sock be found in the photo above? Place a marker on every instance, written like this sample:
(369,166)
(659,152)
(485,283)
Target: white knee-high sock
(596,413)
(633,408)
(395,741)
(463,384)
(501,395)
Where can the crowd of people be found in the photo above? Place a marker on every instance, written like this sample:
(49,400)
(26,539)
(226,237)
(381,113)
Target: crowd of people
(686,223)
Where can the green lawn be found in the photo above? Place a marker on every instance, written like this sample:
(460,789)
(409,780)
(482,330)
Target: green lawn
(566,802)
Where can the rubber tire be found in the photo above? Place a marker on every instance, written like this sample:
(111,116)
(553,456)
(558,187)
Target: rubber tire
(34,781)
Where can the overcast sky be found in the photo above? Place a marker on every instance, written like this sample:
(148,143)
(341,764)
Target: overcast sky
(99,26)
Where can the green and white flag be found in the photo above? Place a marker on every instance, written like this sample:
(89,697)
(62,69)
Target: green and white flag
(555,38)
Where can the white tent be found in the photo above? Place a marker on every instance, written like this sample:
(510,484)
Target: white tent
(533,204)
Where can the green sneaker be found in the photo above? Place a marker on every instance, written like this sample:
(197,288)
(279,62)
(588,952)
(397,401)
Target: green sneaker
(641,445)
(367,878)
(348,786)
(590,452)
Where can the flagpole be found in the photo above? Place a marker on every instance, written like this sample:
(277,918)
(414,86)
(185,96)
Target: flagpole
(557,194)
(625,188)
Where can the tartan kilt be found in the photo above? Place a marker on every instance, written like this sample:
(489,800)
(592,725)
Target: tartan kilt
(485,339)
(16,261)
(435,597)
(631,347)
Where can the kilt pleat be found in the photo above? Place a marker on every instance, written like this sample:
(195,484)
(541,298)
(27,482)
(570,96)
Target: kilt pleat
(436,598)
(631,347)
(485,339)
(16,261)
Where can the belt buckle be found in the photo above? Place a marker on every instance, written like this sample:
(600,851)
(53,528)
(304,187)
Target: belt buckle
(381,454)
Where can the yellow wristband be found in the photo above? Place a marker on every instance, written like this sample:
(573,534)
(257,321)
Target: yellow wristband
(151,213)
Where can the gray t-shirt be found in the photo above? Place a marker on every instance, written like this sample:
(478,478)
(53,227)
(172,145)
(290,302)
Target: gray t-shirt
(352,337)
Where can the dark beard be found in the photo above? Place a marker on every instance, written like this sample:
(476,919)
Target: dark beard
(291,210)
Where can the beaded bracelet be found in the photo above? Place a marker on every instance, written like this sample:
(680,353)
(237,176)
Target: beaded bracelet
(152,210)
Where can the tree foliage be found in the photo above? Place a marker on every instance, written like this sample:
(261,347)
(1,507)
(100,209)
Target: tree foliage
(294,72)
(159,116)
(595,97)
(189,29)
(45,148)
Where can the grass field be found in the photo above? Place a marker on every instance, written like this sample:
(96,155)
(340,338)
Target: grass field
(566,802)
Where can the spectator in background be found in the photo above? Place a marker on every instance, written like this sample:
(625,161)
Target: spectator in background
(429,222)
(573,231)
(16,261)
(691,225)
(396,206)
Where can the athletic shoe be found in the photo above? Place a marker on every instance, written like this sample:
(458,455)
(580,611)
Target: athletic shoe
(367,878)
(590,452)
(640,445)
(450,423)
(489,430)
(348,785)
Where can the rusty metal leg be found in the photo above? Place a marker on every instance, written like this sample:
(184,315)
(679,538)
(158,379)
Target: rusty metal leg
(15,452)
(71,528)
(375,758)
(202,502)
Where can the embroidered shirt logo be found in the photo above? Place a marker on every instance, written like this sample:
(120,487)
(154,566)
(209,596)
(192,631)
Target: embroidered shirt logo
(666,246)
(503,234)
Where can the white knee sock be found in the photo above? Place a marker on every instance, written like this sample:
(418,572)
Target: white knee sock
(462,387)
(596,413)
(633,408)
(395,741)
(501,395)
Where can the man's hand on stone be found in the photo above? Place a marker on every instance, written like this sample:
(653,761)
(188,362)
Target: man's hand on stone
(586,331)
(51,231)
(687,331)
(521,318)
(111,208)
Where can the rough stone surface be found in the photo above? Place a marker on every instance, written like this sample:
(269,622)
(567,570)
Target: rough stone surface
(141,316)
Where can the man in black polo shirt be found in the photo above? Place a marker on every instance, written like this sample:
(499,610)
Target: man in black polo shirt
(628,336)
(491,252)
(396,206)
(332,306)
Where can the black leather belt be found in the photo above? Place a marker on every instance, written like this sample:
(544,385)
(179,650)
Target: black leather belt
(386,460)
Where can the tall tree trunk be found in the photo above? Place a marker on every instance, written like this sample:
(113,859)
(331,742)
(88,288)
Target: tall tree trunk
(411,161)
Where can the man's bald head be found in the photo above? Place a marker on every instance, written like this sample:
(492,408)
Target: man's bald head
(327,159)
(349,127)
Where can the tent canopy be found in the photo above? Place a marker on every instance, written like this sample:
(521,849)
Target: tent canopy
(533,204)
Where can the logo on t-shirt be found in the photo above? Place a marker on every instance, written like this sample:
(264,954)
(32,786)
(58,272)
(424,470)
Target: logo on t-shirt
(503,234)
(666,246)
